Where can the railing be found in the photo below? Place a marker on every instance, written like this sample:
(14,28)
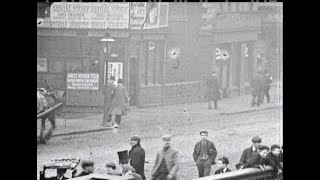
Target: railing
(246,174)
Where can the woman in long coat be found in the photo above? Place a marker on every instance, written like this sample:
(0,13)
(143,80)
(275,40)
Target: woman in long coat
(120,102)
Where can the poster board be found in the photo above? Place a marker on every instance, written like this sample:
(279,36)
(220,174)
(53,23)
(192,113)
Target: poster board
(90,15)
(42,65)
(83,81)
(115,69)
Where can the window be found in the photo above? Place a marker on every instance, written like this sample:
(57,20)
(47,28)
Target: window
(42,65)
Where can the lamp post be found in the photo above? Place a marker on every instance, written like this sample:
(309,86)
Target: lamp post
(105,43)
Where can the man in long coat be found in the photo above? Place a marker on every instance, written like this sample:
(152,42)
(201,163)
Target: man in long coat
(137,156)
(249,152)
(166,162)
(266,82)
(204,154)
(107,92)
(256,89)
(120,102)
(213,92)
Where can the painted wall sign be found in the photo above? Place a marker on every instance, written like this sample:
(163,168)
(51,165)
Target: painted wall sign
(90,15)
(83,81)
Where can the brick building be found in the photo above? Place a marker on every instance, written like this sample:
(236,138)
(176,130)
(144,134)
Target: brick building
(161,66)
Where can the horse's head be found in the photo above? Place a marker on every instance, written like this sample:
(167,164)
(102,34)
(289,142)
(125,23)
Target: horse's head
(59,95)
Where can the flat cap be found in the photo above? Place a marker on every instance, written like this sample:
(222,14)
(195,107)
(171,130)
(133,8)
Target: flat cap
(224,160)
(275,146)
(263,147)
(135,138)
(204,131)
(86,163)
(111,164)
(256,139)
(166,137)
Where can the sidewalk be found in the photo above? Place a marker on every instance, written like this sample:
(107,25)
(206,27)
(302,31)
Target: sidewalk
(142,117)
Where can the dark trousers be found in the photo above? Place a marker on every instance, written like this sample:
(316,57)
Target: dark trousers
(256,99)
(106,118)
(204,167)
(118,119)
(266,93)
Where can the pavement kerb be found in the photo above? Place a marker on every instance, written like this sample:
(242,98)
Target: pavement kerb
(110,128)
(250,110)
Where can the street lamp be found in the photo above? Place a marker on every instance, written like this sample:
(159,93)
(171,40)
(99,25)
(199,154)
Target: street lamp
(105,43)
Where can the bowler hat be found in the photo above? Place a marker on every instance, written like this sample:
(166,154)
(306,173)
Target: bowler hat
(166,137)
(256,139)
(123,156)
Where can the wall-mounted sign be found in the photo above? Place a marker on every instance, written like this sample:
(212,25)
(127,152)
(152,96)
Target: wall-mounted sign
(156,14)
(90,15)
(83,81)
(42,65)
(115,69)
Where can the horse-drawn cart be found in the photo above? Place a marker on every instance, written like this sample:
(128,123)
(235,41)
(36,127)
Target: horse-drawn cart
(40,115)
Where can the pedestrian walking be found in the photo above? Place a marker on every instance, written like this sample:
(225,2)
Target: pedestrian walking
(120,103)
(249,152)
(107,92)
(204,154)
(266,82)
(256,89)
(223,166)
(137,156)
(213,92)
(166,162)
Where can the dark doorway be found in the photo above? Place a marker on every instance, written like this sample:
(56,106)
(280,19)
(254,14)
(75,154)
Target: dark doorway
(133,81)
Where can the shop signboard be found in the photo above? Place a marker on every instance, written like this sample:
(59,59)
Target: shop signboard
(90,15)
(83,81)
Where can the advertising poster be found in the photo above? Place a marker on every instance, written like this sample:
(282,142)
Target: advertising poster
(83,81)
(115,69)
(90,15)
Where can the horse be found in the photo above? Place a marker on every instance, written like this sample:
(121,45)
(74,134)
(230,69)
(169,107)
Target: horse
(46,99)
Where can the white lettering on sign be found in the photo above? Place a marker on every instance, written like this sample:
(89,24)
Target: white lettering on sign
(83,81)
(90,15)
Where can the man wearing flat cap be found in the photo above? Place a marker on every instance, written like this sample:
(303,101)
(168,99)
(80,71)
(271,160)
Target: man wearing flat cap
(261,160)
(137,156)
(276,155)
(204,154)
(88,168)
(166,162)
(249,152)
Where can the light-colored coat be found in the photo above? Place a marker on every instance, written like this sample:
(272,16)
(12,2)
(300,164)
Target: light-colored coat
(120,100)
(171,158)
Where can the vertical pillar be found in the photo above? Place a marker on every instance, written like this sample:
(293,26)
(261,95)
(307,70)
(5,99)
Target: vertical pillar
(242,70)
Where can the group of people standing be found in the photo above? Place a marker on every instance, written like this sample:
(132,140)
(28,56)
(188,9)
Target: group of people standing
(116,102)
(260,86)
(256,156)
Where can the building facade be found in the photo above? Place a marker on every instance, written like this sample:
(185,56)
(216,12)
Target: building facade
(160,66)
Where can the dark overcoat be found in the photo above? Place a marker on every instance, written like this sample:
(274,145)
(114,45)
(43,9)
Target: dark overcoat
(247,154)
(257,160)
(120,100)
(107,92)
(220,171)
(211,151)
(257,85)
(213,92)
(137,159)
